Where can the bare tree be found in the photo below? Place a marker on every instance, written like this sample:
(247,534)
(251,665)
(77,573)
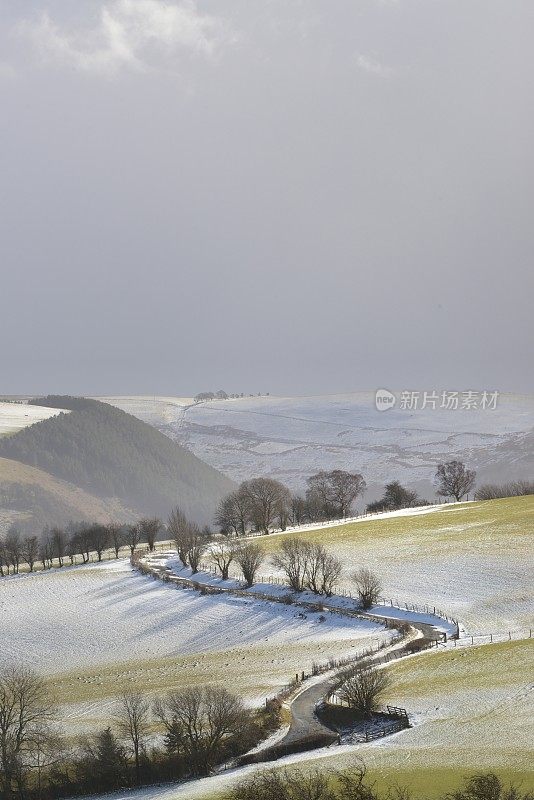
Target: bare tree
(316,509)
(298,513)
(46,550)
(24,711)
(188,538)
(116,536)
(223,554)
(46,750)
(200,721)
(179,528)
(4,563)
(59,544)
(322,570)
(30,550)
(396,496)
(242,509)
(308,565)
(368,586)
(292,559)
(133,536)
(149,530)
(72,548)
(250,557)
(269,500)
(232,514)
(99,538)
(85,539)
(195,547)
(13,547)
(453,479)
(363,687)
(488,786)
(354,786)
(133,721)
(337,489)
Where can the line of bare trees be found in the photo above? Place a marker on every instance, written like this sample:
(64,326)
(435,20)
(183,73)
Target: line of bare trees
(58,546)
(192,544)
(203,726)
(396,496)
(262,504)
(492,491)
(306,565)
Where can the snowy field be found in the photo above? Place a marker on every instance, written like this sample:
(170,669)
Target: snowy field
(292,437)
(15,416)
(473,560)
(470,710)
(154,410)
(171,562)
(94,631)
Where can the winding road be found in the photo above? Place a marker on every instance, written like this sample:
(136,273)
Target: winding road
(306,731)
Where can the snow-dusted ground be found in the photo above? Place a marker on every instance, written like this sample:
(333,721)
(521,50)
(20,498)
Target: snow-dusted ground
(293,437)
(96,630)
(87,616)
(15,416)
(170,561)
(151,409)
(364,517)
(470,710)
(471,560)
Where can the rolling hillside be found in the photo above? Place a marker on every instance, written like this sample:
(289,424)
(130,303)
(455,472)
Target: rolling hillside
(32,498)
(290,438)
(472,559)
(111,454)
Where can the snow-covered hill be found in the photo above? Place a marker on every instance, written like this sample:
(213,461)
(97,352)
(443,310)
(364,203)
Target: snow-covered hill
(16,416)
(292,437)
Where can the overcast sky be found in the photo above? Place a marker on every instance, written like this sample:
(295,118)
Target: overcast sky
(294,196)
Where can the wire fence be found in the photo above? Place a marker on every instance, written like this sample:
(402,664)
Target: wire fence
(476,639)
(340,591)
(328,604)
(345,520)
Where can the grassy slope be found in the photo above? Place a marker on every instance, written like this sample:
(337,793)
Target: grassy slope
(473,711)
(112,454)
(33,497)
(455,526)
(471,706)
(471,559)
(474,707)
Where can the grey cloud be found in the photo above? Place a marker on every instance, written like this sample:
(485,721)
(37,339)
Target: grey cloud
(243,206)
(127,34)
